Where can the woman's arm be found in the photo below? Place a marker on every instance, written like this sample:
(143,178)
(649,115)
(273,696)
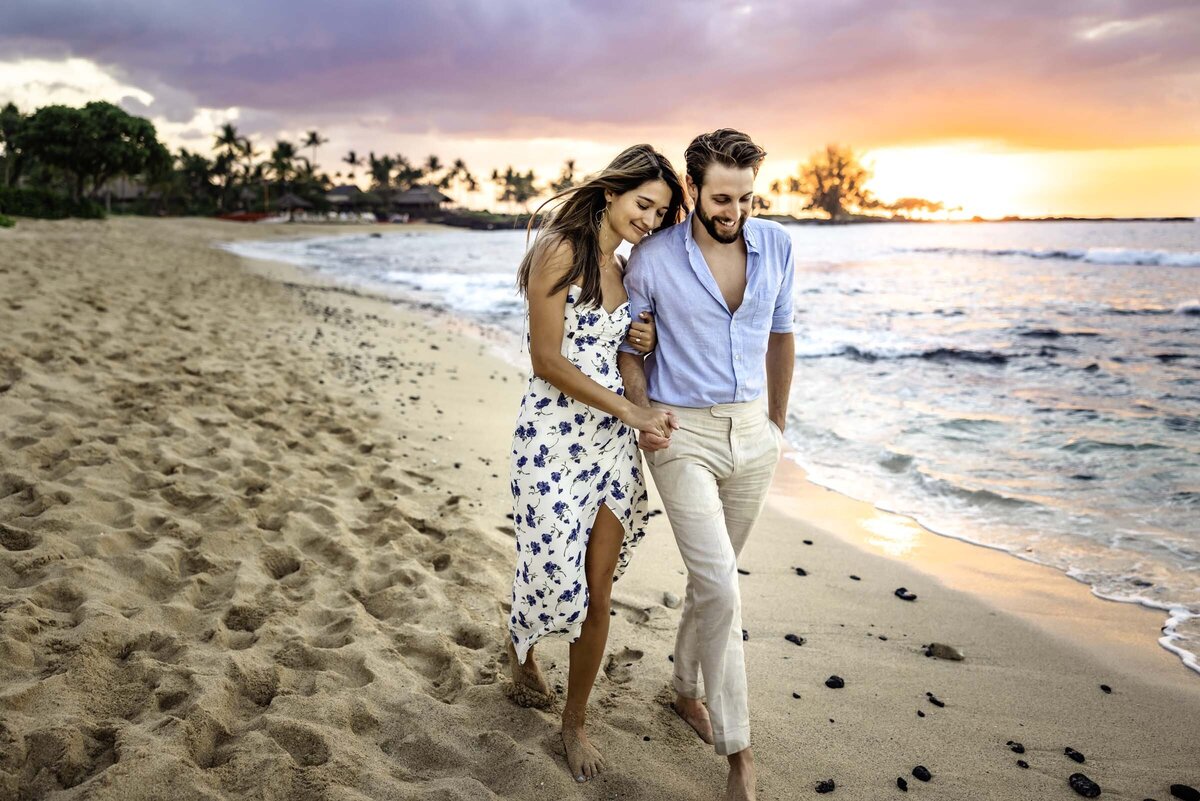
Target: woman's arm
(546,309)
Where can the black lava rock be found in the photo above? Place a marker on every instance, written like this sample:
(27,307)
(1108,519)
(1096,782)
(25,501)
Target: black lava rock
(745,635)
(1185,792)
(808,542)
(933,699)
(856,578)
(904,595)
(795,695)
(901,783)
(1016,747)
(1083,785)
(826,786)
(922,773)
(920,714)
(835,683)
(1106,688)
(1073,754)
(792,638)
(1022,764)
(743,572)
(801,571)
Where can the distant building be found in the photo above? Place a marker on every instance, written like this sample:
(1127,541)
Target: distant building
(421,200)
(345,196)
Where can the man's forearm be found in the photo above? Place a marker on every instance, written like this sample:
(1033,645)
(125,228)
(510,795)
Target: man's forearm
(781,360)
(633,376)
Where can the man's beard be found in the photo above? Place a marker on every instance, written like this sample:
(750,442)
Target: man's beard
(711,227)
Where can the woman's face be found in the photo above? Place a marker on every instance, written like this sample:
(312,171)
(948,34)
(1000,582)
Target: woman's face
(636,213)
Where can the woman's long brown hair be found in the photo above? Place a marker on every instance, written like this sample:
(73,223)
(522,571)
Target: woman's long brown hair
(575,220)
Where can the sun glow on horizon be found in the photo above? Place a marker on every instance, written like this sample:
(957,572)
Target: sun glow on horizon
(991,180)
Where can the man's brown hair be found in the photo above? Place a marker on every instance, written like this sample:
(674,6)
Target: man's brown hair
(722,146)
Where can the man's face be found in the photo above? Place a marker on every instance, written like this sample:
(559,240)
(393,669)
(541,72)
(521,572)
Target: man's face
(724,201)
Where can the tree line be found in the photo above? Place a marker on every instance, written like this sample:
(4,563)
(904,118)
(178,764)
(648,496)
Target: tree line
(76,153)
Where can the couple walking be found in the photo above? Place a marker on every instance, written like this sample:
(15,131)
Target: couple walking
(699,384)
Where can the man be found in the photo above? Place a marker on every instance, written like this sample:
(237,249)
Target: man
(720,287)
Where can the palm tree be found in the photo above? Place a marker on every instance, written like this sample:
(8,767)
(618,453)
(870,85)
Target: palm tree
(247,151)
(252,173)
(228,138)
(381,170)
(282,160)
(354,161)
(222,170)
(567,179)
(462,173)
(314,140)
(406,173)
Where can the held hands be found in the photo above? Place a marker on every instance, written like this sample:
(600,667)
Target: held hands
(653,422)
(652,442)
(642,336)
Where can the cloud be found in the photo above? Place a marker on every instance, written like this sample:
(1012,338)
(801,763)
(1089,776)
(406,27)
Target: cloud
(1053,73)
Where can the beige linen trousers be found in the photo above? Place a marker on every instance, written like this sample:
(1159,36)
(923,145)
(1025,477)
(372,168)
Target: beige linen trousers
(713,480)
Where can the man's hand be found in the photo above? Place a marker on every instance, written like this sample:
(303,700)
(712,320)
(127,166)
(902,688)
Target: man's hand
(652,442)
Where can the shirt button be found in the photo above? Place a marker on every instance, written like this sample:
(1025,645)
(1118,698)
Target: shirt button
(737,358)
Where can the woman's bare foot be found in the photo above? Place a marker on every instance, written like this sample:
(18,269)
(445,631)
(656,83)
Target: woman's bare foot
(584,761)
(695,714)
(529,686)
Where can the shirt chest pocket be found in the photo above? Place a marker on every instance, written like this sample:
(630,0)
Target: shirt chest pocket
(760,300)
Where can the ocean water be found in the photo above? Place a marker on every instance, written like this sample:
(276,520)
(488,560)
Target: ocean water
(1032,387)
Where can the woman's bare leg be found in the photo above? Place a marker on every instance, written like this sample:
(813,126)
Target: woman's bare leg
(603,550)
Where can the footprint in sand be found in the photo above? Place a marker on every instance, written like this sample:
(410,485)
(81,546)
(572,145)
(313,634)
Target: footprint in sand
(279,564)
(16,539)
(619,667)
(305,744)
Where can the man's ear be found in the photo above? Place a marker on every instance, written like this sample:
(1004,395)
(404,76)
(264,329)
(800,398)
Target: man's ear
(692,190)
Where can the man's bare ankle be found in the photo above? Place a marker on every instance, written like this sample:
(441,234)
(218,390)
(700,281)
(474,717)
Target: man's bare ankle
(742,760)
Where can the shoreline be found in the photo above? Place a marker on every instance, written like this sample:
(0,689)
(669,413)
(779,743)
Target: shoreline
(799,486)
(256,536)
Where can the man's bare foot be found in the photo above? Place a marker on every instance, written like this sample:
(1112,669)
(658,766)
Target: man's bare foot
(695,714)
(740,784)
(584,761)
(529,686)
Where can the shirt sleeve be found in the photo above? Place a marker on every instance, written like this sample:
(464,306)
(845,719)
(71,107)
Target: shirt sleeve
(781,320)
(637,286)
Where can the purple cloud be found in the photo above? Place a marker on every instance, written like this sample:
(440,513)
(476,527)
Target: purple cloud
(869,71)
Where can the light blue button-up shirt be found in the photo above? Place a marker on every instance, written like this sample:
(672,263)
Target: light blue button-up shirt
(705,354)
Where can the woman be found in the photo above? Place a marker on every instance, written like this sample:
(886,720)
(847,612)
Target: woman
(579,498)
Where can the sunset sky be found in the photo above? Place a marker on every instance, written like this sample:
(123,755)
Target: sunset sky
(1079,107)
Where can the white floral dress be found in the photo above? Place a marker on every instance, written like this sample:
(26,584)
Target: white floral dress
(568,458)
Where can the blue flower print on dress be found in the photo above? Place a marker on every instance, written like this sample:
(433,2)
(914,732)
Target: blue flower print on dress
(567,460)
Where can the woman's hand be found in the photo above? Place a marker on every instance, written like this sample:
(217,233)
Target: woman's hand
(654,421)
(642,336)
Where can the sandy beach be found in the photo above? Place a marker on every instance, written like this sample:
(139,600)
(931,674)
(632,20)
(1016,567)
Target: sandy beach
(255,545)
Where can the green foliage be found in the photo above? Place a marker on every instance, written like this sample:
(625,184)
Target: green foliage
(46,204)
(7,222)
(94,143)
(515,187)
(12,122)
